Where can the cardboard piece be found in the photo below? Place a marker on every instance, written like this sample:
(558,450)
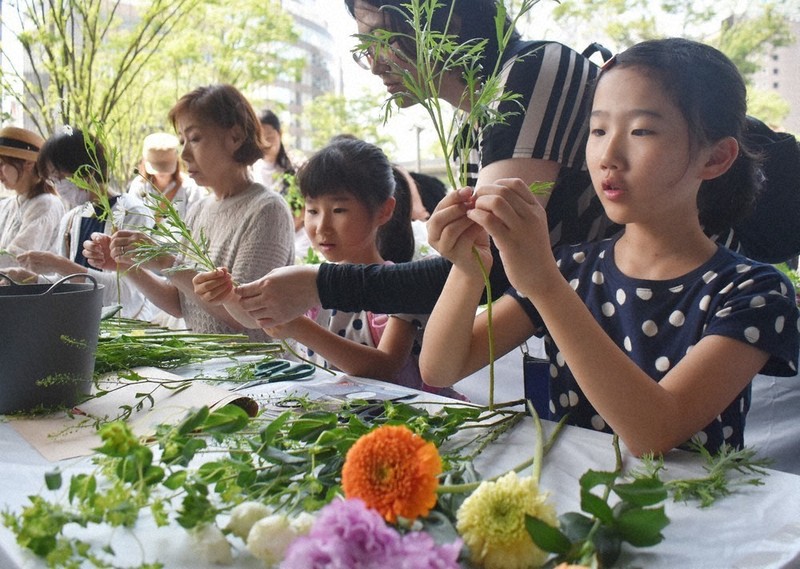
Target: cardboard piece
(62,436)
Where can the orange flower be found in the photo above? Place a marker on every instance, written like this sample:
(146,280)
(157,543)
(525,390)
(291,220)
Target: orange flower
(394,472)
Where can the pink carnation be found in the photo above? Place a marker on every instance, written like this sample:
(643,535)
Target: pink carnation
(348,535)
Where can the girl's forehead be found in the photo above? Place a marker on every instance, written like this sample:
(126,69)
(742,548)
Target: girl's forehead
(333,194)
(629,83)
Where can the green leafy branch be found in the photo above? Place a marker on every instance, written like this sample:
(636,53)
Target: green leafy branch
(595,536)
(437,56)
(293,462)
(170,236)
(720,480)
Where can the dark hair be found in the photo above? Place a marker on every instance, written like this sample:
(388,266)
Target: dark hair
(477,18)
(225,107)
(431,189)
(363,170)
(74,151)
(40,186)
(269,118)
(711,95)
(396,237)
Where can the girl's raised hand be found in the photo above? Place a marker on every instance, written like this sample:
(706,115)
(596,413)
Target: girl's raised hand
(215,287)
(517,223)
(453,234)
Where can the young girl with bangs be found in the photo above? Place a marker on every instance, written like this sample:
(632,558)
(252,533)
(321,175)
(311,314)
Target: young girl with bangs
(656,333)
(354,213)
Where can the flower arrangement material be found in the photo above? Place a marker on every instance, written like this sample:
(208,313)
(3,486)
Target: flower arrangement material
(347,533)
(125,344)
(214,461)
(492,523)
(394,471)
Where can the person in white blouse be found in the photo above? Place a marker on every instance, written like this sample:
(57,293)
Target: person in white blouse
(76,165)
(29,218)
(161,172)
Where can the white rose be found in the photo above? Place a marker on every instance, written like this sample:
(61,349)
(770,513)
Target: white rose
(302,523)
(212,545)
(244,516)
(269,537)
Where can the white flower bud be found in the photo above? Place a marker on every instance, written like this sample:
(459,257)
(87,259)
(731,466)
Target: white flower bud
(212,545)
(269,537)
(244,516)
(302,523)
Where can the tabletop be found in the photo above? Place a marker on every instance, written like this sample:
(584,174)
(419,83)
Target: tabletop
(755,527)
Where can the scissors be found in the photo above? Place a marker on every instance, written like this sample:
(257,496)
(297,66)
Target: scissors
(273,371)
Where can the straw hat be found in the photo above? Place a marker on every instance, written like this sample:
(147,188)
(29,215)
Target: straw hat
(20,143)
(160,152)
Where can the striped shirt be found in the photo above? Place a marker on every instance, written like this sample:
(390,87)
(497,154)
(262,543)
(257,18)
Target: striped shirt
(548,120)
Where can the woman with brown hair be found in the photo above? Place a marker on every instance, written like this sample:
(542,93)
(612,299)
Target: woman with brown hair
(29,219)
(248,227)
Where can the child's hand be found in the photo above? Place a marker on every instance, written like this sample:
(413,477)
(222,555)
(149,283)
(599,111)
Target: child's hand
(453,234)
(517,224)
(284,331)
(215,287)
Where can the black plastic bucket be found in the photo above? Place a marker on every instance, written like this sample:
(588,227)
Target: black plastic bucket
(48,339)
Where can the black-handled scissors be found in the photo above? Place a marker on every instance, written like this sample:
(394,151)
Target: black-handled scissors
(273,371)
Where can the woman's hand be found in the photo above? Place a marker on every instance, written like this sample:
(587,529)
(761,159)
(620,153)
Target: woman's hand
(42,262)
(19,276)
(97,251)
(517,223)
(215,287)
(454,234)
(123,251)
(281,295)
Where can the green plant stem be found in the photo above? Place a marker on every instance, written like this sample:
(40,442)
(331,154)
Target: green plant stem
(589,539)
(545,448)
(489,326)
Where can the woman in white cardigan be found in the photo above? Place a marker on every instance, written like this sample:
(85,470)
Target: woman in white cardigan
(29,218)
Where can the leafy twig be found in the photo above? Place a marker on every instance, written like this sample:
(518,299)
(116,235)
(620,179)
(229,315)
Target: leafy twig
(720,468)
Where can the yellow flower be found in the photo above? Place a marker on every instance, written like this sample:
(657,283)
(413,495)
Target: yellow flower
(394,472)
(492,523)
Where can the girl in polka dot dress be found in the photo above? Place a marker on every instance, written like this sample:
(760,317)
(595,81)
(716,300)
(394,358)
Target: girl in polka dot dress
(656,333)
(356,212)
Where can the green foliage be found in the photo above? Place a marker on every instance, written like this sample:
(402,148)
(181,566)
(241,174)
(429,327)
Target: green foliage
(170,236)
(125,344)
(332,114)
(292,461)
(596,535)
(721,468)
(125,64)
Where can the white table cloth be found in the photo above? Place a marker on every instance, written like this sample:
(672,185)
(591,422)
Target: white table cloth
(756,527)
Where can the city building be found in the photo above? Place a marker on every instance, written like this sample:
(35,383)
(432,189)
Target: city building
(781,73)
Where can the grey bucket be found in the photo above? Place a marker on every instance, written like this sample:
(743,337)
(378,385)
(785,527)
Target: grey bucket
(48,338)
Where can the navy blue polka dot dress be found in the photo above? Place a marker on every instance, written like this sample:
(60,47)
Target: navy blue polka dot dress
(657,322)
